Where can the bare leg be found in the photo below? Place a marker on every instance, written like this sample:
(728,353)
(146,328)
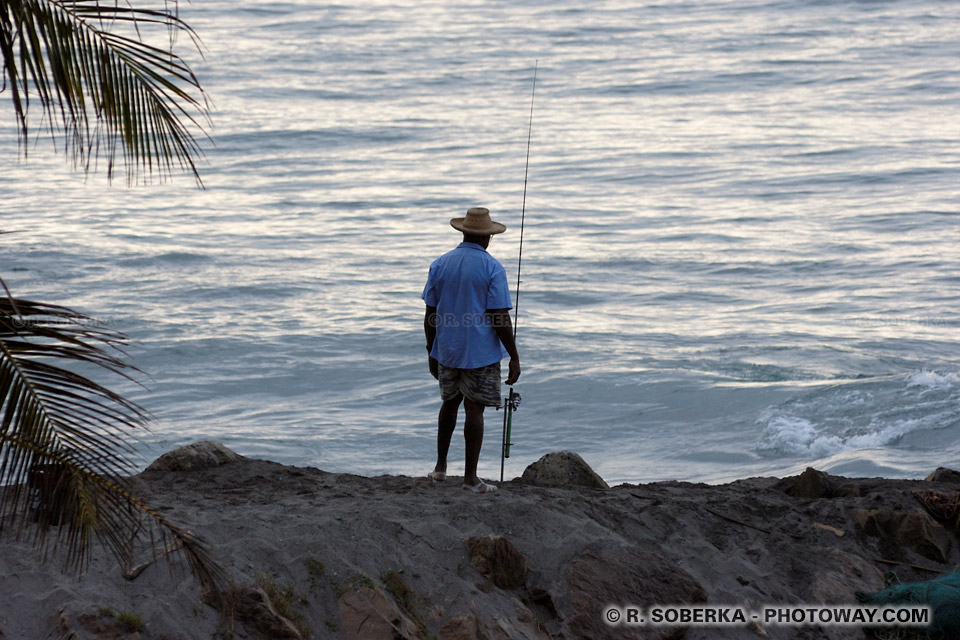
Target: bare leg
(446,424)
(473,437)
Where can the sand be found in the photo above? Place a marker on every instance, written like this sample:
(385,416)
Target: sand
(345,556)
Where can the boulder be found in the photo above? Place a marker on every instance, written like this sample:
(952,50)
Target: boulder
(369,614)
(498,560)
(612,575)
(461,628)
(809,484)
(205,454)
(942,474)
(563,468)
(469,627)
(914,530)
(847,490)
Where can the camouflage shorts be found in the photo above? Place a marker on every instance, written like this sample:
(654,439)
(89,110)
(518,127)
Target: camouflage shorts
(479,385)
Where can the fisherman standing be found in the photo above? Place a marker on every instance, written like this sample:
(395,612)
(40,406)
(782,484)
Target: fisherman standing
(468,329)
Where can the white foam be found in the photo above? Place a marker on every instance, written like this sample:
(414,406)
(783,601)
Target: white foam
(793,435)
(863,415)
(933,379)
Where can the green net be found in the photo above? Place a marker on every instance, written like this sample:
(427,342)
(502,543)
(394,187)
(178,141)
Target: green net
(942,595)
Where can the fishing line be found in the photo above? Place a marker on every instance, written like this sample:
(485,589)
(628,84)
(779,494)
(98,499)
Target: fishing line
(512,402)
(523,208)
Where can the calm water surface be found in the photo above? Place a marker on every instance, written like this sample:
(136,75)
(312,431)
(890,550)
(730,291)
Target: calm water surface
(740,253)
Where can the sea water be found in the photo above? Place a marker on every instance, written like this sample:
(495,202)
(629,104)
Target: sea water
(740,250)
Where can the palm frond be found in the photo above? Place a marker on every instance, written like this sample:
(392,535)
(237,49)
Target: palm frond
(65,443)
(102,85)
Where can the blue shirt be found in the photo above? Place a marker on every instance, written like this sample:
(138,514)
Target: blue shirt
(462,285)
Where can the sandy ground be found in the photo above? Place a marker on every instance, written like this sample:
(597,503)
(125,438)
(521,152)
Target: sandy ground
(341,554)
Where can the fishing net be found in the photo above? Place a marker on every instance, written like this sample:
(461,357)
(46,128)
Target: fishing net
(942,595)
(943,507)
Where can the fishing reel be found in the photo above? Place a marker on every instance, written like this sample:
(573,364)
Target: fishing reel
(511,402)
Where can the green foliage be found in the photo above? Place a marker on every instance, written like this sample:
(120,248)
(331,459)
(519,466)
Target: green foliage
(66,451)
(404,596)
(287,602)
(315,571)
(357,580)
(396,586)
(101,83)
(314,567)
(129,621)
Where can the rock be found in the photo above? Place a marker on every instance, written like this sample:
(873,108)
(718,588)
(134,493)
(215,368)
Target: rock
(461,628)
(625,575)
(498,560)
(847,574)
(199,455)
(519,627)
(468,627)
(540,597)
(563,468)
(84,625)
(52,504)
(369,614)
(848,490)
(942,474)
(809,484)
(914,530)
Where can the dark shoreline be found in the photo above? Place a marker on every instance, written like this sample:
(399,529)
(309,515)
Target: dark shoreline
(530,561)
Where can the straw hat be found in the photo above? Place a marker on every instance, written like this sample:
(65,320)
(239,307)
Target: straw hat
(478,223)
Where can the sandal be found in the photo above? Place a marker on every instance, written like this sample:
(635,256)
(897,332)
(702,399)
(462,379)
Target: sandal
(480,487)
(437,476)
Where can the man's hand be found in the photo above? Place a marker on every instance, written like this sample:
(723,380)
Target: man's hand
(500,318)
(435,368)
(514,374)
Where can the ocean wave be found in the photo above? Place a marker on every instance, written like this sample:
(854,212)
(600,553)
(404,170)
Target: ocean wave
(796,436)
(933,379)
(875,412)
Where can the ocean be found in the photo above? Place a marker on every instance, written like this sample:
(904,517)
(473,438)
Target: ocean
(740,246)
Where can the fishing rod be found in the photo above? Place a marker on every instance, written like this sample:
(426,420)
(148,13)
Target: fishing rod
(512,402)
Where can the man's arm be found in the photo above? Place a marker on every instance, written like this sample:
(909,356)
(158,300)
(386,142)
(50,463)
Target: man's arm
(430,330)
(500,319)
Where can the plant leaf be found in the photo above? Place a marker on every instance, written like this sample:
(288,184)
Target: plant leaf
(102,86)
(66,450)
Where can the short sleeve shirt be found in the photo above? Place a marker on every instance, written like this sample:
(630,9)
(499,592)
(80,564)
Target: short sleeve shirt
(462,285)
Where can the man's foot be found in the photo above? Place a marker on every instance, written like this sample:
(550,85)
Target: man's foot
(437,476)
(480,487)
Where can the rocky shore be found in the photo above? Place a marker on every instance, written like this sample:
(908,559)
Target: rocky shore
(322,555)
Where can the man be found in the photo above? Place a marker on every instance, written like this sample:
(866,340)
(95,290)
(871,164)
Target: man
(468,329)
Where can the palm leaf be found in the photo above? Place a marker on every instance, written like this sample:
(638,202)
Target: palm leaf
(102,85)
(65,443)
